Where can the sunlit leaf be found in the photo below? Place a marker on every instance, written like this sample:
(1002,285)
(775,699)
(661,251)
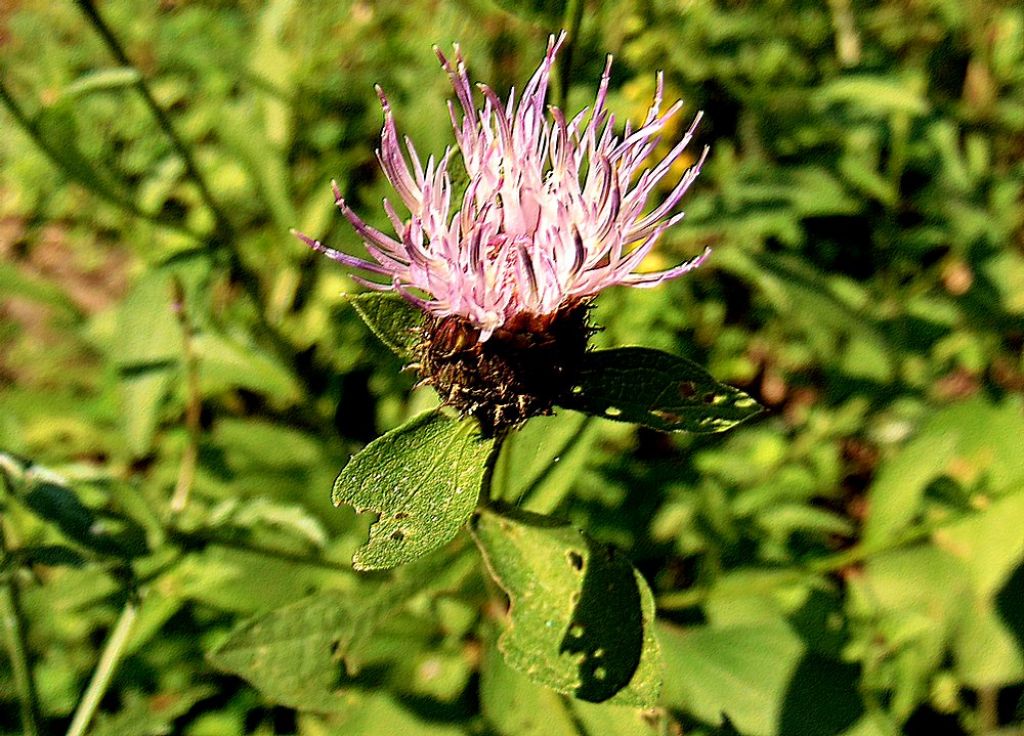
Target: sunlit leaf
(658,390)
(391,318)
(581,618)
(423,479)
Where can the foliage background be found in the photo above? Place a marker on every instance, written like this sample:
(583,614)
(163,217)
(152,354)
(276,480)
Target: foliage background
(849,563)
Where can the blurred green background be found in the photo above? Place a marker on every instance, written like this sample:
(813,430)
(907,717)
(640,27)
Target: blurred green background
(851,562)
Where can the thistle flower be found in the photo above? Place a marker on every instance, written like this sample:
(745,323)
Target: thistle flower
(555,211)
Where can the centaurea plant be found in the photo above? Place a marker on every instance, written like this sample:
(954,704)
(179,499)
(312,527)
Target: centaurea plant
(490,295)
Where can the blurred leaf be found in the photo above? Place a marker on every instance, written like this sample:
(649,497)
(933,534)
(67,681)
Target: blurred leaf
(53,555)
(150,715)
(541,462)
(391,318)
(302,653)
(226,364)
(581,618)
(423,479)
(58,131)
(367,712)
(874,94)
(991,546)
(51,500)
(658,390)
(550,13)
(142,393)
(148,333)
(102,80)
(761,678)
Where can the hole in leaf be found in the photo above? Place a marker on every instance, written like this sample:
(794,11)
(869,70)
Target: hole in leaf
(401,515)
(576,560)
(600,673)
(576,390)
(398,535)
(576,631)
(598,653)
(613,411)
(666,416)
(687,389)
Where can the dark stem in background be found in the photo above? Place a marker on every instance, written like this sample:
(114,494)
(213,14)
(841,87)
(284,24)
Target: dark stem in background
(225,235)
(571,23)
(32,131)
(114,46)
(15,638)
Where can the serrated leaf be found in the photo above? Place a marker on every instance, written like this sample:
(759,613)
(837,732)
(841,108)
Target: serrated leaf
(581,618)
(658,390)
(391,318)
(423,479)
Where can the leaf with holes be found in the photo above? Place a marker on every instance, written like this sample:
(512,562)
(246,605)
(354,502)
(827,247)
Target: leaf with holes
(658,390)
(581,618)
(423,479)
(391,318)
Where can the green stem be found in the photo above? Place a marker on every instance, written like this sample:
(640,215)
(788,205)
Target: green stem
(204,538)
(109,659)
(13,618)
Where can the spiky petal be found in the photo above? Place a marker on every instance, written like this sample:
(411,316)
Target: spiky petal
(555,210)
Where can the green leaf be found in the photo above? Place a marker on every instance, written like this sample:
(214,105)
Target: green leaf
(516,706)
(761,678)
(141,395)
(301,653)
(391,318)
(292,654)
(657,390)
(541,462)
(581,618)
(423,478)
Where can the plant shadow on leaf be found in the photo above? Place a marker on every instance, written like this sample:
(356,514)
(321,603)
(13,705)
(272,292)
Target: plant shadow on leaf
(1009,602)
(108,536)
(580,616)
(610,646)
(821,698)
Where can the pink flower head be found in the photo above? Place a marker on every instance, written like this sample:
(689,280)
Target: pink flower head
(554,211)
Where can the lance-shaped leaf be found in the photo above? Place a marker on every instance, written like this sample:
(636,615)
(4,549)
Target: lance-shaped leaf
(581,618)
(658,390)
(391,318)
(423,479)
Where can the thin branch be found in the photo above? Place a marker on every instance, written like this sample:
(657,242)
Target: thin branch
(15,630)
(193,406)
(110,658)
